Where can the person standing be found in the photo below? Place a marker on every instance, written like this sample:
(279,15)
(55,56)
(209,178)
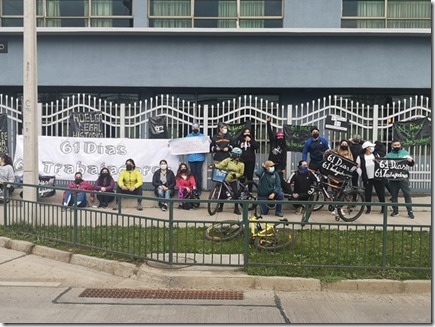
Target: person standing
(164,183)
(130,182)
(316,146)
(196,160)
(77,185)
(355,146)
(366,168)
(105,186)
(249,146)
(269,187)
(220,144)
(398,152)
(278,150)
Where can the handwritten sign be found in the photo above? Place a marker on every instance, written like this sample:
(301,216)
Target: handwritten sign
(86,124)
(4,134)
(337,165)
(236,130)
(295,136)
(391,169)
(336,123)
(187,145)
(413,132)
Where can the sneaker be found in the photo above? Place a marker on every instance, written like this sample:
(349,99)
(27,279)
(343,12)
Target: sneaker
(139,207)
(299,210)
(279,214)
(220,208)
(237,211)
(394,214)
(116,207)
(180,206)
(411,215)
(164,207)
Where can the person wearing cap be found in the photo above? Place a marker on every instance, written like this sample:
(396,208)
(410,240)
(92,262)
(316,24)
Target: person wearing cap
(301,183)
(269,187)
(316,146)
(395,186)
(196,160)
(130,182)
(236,169)
(366,169)
(220,144)
(278,150)
(355,146)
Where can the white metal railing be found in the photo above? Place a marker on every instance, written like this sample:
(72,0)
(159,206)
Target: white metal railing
(131,120)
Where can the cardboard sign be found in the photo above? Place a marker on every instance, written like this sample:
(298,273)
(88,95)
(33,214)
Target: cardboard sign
(187,145)
(295,136)
(391,169)
(337,165)
(413,132)
(336,123)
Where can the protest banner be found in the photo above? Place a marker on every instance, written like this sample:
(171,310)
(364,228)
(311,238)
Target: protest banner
(236,130)
(158,127)
(391,169)
(336,123)
(86,124)
(62,157)
(337,165)
(4,134)
(413,132)
(187,145)
(295,136)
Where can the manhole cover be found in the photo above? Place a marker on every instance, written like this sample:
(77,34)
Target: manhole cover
(126,293)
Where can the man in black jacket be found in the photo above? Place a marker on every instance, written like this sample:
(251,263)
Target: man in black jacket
(278,150)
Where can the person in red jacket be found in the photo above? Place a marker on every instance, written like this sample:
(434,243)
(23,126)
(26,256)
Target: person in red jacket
(77,184)
(185,182)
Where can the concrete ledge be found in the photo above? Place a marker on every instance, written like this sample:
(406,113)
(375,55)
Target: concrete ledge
(122,269)
(50,253)
(368,285)
(417,286)
(22,246)
(5,242)
(287,284)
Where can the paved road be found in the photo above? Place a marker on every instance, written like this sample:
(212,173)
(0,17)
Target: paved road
(34,289)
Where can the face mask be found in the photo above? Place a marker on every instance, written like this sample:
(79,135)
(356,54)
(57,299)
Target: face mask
(195,131)
(78,180)
(396,149)
(303,169)
(372,149)
(183,171)
(104,174)
(343,147)
(129,167)
(316,135)
(224,130)
(234,156)
(246,135)
(163,167)
(271,169)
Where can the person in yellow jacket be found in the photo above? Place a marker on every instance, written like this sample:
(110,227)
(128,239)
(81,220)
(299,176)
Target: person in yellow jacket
(130,182)
(236,169)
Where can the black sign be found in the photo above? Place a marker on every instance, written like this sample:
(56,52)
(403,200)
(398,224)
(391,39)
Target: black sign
(86,124)
(295,136)
(4,134)
(336,123)
(236,130)
(413,132)
(49,181)
(391,169)
(3,46)
(157,128)
(337,165)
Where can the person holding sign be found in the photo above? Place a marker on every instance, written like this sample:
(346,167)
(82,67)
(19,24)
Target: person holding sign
(366,169)
(164,183)
(130,182)
(278,150)
(196,160)
(221,143)
(316,146)
(249,146)
(398,152)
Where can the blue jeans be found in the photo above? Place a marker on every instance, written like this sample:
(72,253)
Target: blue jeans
(395,187)
(265,209)
(69,199)
(163,194)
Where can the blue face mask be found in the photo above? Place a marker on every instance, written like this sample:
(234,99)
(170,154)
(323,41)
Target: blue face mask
(271,169)
(303,169)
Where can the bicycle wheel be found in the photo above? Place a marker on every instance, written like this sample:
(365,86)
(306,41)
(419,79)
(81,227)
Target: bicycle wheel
(224,231)
(318,196)
(309,207)
(351,211)
(280,238)
(214,195)
(247,195)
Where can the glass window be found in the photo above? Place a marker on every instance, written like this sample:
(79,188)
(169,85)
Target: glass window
(386,13)
(216,13)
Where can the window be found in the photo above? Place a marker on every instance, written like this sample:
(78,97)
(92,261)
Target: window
(216,13)
(71,13)
(386,14)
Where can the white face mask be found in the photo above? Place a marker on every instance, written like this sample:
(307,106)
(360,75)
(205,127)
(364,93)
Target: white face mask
(271,169)
(163,167)
(372,149)
(224,130)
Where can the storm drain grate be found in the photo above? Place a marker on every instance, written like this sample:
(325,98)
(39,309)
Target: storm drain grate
(125,293)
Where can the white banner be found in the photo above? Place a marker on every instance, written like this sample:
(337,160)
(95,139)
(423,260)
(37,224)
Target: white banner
(64,156)
(186,145)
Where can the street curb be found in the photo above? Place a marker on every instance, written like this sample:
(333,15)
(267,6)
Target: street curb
(217,279)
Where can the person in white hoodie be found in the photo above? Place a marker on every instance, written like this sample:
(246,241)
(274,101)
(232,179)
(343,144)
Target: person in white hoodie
(7,174)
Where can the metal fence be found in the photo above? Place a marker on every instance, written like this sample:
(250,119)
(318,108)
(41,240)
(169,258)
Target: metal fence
(131,120)
(181,241)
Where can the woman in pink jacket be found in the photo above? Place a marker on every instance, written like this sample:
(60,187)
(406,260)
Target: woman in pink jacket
(185,182)
(77,184)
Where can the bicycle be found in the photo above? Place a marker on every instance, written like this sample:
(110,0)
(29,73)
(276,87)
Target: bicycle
(341,193)
(218,176)
(264,236)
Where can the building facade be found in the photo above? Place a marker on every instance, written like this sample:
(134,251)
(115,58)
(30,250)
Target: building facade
(208,51)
